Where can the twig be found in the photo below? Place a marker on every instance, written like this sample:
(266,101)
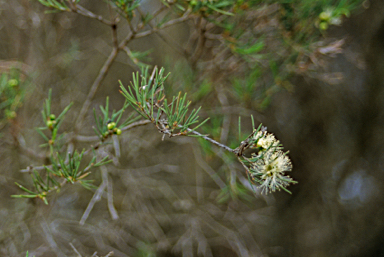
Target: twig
(200,44)
(87,139)
(129,53)
(94,87)
(162,8)
(96,197)
(116,145)
(85,12)
(136,124)
(212,141)
(165,25)
(173,43)
(31,153)
(111,207)
(75,250)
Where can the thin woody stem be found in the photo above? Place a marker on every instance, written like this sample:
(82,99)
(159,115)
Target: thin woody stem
(102,74)
(84,12)
(212,141)
(165,25)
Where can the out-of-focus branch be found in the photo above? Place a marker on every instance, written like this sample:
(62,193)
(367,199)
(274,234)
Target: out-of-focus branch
(103,72)
(85,12)
(200,27)
(183,18)
(171,43)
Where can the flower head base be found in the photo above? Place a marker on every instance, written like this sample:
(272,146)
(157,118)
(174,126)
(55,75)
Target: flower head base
(266,140)
(269,169)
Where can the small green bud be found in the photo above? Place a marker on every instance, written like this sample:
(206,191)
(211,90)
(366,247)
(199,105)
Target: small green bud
(50,124)
(10,114)
(324,16)
(13,82)
(193,2)
(323,25)
(111,125)
(52,117)
(118,131)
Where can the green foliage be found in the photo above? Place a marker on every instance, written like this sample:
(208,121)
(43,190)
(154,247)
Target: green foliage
(148,99)
(303,22)
(12,93)
(126,7)
(145,250)
(52,124)
(107,124)
(139,58)
(27,254)
(58,5)
(303,17)
(64,168)
(213,128)
(244,52)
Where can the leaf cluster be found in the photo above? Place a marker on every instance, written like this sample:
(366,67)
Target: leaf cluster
(146,96)
(65,168)
(58,5)
(109,124)
(52,123)
(126,7)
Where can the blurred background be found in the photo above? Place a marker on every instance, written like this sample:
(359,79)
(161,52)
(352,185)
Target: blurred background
(317,86)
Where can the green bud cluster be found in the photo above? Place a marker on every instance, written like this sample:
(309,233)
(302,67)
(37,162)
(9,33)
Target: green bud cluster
(13,82)
(111,126)
(10,114)
(325,19)
(51,121)
(325,16)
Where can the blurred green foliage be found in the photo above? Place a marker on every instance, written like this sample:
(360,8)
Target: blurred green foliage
(12,92)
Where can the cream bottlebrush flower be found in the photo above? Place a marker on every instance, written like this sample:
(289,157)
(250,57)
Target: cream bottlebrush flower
(266,140)
(269,169)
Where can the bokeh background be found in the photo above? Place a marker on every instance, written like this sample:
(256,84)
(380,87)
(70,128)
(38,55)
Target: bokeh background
(169,196)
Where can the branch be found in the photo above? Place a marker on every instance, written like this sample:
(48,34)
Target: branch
(103,72)
(165,25)
(212,141)
(85,12)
